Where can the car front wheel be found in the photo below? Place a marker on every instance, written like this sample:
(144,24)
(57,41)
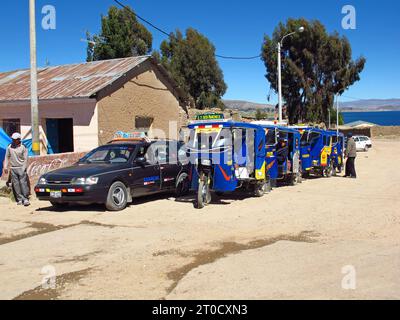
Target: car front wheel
(117,198)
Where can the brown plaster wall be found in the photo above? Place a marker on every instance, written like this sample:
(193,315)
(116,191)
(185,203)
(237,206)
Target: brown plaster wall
(146,94)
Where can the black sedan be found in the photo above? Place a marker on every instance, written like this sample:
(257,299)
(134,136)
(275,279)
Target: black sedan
(116,173)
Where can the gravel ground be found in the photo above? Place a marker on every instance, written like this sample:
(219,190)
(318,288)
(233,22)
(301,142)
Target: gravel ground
(299,242)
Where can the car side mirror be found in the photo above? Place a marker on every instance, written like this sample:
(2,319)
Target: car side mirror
(140,161)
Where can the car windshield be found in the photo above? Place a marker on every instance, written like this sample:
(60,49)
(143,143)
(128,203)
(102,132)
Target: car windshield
(109,154)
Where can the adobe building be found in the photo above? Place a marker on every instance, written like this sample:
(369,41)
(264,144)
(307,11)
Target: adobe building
(82,106)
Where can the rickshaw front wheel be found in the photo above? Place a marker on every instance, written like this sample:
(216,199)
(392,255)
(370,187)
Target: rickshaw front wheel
(203,192)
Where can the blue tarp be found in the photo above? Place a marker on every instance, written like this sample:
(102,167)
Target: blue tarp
(5,141)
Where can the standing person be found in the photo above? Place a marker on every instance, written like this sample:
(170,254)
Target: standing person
(17,159)
(351,154)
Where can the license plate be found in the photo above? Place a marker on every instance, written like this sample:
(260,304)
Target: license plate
(55,194)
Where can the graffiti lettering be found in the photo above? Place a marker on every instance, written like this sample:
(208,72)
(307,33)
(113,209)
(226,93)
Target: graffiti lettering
(37,169)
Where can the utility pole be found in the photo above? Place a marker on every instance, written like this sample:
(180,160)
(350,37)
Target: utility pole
(280,82)
(337,114)
(34,89)
(280,99)
(329,118)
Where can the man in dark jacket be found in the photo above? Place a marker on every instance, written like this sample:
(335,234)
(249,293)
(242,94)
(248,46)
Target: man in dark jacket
(351,154)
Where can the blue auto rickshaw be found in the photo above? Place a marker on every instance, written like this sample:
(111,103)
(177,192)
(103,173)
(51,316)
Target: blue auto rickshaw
(282,154)
(225,156)
(316,151)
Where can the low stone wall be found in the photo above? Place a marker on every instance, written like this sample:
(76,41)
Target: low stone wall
(40,165)
(385,131)
(357,131)
(374,132)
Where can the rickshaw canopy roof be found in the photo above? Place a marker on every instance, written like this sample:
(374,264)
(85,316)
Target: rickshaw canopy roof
(225,124)
(280,128)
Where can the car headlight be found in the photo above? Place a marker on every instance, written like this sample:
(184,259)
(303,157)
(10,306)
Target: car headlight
(85,181)
(92,180)
(42,181)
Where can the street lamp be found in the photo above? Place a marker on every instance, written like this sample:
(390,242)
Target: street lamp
(300,30)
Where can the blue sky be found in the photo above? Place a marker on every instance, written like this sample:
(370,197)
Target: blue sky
(236,28)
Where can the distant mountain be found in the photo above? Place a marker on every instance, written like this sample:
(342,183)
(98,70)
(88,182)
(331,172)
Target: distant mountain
(247,105)
(358,105)
(371,105)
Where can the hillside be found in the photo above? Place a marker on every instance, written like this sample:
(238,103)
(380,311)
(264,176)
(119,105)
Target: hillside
(371,105)
(357,105)
(247,105)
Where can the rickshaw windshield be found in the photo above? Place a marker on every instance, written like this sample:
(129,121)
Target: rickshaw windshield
(209,139)
(304,139)
(270,137)
(309,138)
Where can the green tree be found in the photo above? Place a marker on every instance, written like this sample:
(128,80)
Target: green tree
(121,36)
(333,117)
(192,63)
(315,66)
(260,115)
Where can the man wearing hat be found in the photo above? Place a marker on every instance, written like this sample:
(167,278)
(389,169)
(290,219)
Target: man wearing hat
(351,154)
(17,159)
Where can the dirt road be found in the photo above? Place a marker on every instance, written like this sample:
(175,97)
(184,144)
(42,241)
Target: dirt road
(307,241)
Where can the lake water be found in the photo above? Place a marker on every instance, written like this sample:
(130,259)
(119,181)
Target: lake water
(382,118)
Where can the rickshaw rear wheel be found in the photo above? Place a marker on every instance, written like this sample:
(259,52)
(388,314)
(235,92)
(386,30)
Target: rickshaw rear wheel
(295,178)
(306,174)
(328,171)
(260,189)
(269,186)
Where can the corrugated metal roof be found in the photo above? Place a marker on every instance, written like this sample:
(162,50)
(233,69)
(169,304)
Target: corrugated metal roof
(66,81)
(360,123)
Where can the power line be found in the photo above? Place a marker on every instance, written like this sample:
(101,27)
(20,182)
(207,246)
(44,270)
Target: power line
(169,33)
(238,58)
(353,98)
(140,18)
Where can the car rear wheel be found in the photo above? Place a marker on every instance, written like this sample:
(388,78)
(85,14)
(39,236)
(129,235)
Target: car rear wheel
(366,148)
(117,198)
